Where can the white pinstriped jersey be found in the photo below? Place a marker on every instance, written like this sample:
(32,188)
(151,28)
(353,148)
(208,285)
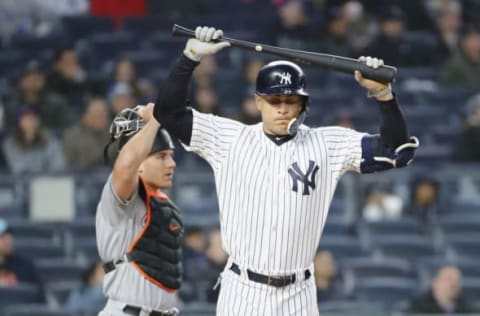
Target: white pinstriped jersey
(273,199)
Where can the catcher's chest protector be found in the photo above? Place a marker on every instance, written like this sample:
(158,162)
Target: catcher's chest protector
(156,251)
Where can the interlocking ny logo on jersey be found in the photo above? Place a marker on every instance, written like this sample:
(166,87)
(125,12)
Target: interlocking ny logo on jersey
(308,178)
(285,78)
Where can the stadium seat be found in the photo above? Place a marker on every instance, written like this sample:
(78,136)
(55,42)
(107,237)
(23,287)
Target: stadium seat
(460,224)
(198,309)
(465,244)
(471,288)
(38,249)
(385,290)
(58,292)
(59,270)
(20,294)
(351,308)
(85,249)
(147,61)
(405,246)
(342,247)
(36,310)
(147,24)
(386,267)
(112,45)
(25,230)
(403,225)
(335,226)
(83,26)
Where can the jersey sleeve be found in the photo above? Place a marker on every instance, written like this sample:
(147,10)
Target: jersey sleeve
(212,137)
(113,209)
(344,147)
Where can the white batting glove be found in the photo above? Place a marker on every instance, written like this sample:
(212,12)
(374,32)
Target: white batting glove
(201,45)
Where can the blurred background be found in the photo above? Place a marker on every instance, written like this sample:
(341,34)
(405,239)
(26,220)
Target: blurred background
(391,240)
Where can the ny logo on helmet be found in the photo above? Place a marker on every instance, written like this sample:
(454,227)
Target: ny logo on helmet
(285,78)
(307,178)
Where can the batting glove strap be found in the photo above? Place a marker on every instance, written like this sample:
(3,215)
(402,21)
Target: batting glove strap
(374,160)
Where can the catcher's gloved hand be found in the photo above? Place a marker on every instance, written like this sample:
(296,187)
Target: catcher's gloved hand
(201,45)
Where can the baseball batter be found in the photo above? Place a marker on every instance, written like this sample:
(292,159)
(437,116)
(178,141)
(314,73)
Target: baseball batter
(275,180)
(139,231)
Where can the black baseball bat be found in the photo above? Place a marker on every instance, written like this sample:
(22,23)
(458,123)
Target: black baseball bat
(383,73)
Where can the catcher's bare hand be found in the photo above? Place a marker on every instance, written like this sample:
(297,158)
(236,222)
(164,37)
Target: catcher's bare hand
(146,112)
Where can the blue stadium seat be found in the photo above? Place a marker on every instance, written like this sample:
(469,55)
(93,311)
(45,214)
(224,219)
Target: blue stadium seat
(471,288)
(20,294)
(460,224)
(85,249)
(107,46)
(147,24)
(361,268)
(343,247)
(84,26)
(385,290)
(198,309)
(337,226)
(403,225)
(38,249)
(352,308)
(36,310)
(25,229)
(405,246)
(59,270)
(465,244)
(147,61)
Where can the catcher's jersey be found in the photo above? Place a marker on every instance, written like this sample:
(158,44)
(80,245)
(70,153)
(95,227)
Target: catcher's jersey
(273,199)
(117,224)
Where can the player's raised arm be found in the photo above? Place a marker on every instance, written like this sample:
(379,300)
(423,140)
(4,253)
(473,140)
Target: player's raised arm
(171,106)
(133,153)
(393,148)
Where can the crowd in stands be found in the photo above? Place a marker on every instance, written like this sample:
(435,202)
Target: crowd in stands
(68,67)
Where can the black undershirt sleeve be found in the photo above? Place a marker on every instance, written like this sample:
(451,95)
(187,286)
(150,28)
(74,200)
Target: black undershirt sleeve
(171,108)
(393,129)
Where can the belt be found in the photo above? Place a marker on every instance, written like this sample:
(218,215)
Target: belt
(277,281)
(135,311)
(112,264)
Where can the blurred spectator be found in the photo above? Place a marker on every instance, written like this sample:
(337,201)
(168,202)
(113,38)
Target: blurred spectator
(390,44)
(468,144)
(36,17)
(217,259)
(67,77)
(471,11)
(425,204)
(462,70)
(89,298)
(380,205)
(246,84)
(121,97)
(329,286)
(292,28)
(83,143)
(125,72)
(206,101)
(15,269)
(30,147)
(337,41)
(248,112)
(195,264)
(54,110)
(204,73)
(118,10)
(444,296)
(344,119)
(448,23)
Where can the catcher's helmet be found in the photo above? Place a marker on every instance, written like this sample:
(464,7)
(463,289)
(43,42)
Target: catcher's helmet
(126,124)
(281,77)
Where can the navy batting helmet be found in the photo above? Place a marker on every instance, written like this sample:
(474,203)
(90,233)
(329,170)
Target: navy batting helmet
(281,77)
(284,77)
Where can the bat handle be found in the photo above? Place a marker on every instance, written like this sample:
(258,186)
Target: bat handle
(179,30)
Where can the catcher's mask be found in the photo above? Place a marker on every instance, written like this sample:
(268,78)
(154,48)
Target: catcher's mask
(126,124)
